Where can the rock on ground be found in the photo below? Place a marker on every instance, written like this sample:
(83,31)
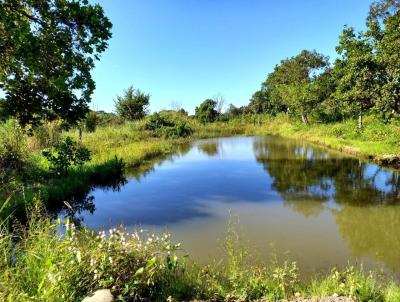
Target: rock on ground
(101,295)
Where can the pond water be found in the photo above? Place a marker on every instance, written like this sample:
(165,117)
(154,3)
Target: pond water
(320,207)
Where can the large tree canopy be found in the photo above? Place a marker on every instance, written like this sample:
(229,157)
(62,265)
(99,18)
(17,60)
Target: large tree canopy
(47,49)
(293,83)
(384,31)
(358,72)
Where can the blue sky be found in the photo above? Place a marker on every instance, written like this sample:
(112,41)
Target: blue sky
(185,51)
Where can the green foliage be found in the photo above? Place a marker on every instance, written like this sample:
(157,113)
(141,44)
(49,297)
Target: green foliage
(13,146)
(233,111)
(365,78)
(166,125)
(207,112)
(351,282)
(47,50)
(383,29)
(46,265)
(66,153)
(293,85)
(356,72)
(261,102)
(47,134)
(133,104)
(91,121)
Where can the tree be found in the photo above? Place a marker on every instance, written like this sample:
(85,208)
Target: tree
(206,112)
(260,103)
(292,84)
(133,104)
(234,111)
(357,69)
(47,50)
(383,8)
(383,28)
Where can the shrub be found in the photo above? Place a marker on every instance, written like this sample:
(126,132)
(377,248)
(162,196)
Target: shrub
(91,121)
(133,104)
(206,112)
(66,153)
(13,147)
(47,134)
(163,126)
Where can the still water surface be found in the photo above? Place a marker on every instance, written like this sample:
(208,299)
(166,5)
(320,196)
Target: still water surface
(320,207)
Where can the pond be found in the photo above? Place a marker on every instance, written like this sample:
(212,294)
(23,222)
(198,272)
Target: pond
(320,207)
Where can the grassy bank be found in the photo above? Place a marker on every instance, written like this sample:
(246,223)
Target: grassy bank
(38,263)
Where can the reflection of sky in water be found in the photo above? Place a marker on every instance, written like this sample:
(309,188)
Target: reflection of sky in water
(180,190)
(283,192)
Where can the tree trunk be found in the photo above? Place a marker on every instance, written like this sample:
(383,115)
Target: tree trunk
(360,120)
(304,118)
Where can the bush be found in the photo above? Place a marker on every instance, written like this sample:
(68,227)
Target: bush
(163,126)
(206,112)
(47,134)
(91,121)
(66,153)
(13,147)
(133,104)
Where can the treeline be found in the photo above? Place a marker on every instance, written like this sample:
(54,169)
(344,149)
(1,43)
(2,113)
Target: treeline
(52,81)
(365,78)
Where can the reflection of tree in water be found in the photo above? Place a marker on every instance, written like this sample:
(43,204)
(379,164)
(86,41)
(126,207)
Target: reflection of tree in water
(369,213)
(354,185)
(210,148)
(302,172)
(372,232)
(81,201)
(147,166)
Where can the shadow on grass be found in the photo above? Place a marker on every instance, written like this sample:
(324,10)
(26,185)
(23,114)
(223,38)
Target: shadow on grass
(72,189)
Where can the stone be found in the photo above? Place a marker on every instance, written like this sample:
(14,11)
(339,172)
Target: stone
(101,295)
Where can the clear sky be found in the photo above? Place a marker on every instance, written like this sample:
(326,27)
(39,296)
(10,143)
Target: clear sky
(185,51)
